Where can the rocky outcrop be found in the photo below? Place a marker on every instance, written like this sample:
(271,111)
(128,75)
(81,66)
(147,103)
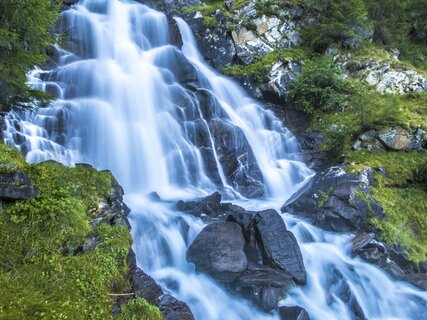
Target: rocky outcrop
(242,34)
(252,252)
(337,201)
(391,260)
(16,186)
(387,76)
(394,139)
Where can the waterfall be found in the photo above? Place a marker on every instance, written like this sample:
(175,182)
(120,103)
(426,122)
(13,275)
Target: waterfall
(128,100)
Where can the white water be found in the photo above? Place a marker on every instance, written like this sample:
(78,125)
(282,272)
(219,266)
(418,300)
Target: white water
(119,106)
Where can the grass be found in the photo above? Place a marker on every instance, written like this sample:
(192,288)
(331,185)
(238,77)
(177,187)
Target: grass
(41,277)
(403,200)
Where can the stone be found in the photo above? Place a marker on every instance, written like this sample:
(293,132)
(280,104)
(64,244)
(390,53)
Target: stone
(264,285)
(174,309)
(418,279)
(279,247)
(367,247)
(280,77)
(16,186)
(337,201)
(210,206)
(145,287)
(237,159)
(249,45)
(293,313)
(218,251)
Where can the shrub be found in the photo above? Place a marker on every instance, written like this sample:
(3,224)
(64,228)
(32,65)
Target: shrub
(338,22)
(24,39)
(320,86)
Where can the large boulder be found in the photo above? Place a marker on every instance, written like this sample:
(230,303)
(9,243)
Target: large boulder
(279,247)
(174,309)
(218,251)
(16,186)
(293,313)
(391,260)
(144,286)
(264,285)
(337,201)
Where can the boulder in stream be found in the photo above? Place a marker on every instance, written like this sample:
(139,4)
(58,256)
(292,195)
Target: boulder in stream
(218,251)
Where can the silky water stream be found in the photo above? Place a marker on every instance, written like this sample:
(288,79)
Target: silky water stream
(163,121)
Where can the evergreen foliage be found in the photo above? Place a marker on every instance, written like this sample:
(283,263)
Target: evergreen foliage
(340,23)
(320,86)
(24,39)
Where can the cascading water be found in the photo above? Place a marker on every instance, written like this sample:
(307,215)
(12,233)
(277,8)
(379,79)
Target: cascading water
(163,121)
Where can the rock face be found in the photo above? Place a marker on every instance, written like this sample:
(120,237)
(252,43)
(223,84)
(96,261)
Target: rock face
(16,186)
(395,139)
(279,246)
(387,76)
(250,251)
(218,251)
(337,201)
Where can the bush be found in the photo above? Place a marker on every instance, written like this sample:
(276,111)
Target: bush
(339,22)
(24,39)
(320,86)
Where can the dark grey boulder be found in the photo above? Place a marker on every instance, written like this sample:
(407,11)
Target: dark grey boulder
(337,201)
(264,286)
(370,249)
(293,313)
(210,205)
(418,279)
(279,247)
(16,186)
(218,251)
(174,309)
(145,287)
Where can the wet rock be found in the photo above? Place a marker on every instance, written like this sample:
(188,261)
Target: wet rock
(174,309)
(418,279)
(337,286)
(215,44)
(16,186)
(279,246)
(145,287)
(264,285)
(218,251)
(293,313)
(210,206)
(237,159)
(337,201)
(367,247)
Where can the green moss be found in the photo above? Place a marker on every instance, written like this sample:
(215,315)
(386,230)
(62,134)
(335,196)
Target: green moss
(404,201)
(138,309)
(10,159)
(325,197)
(41,275)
